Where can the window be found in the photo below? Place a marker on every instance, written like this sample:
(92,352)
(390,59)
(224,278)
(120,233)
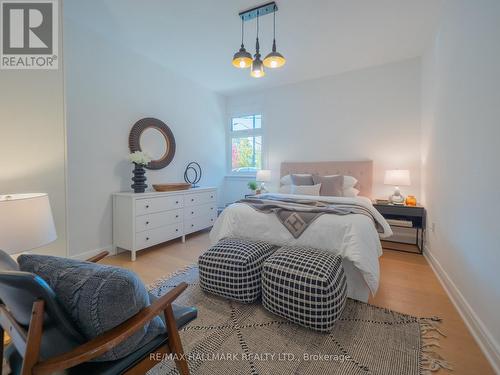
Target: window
(246,144)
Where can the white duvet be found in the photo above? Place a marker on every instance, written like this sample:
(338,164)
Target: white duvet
(352,236)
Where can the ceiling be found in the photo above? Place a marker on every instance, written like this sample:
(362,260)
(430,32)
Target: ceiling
(197,38)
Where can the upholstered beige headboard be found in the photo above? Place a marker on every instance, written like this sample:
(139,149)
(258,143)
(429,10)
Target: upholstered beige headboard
(362,170)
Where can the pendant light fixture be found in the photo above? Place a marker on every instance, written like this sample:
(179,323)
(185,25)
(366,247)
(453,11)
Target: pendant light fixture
(257,70)
(242,59)
(274,59)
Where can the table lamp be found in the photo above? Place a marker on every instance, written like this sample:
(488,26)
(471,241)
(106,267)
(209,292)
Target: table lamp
(263,176)
(26,222)
(397,178)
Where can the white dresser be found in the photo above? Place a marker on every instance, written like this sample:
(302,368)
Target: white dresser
(146,219)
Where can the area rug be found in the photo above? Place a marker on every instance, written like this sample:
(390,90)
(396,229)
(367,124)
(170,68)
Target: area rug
(232,338)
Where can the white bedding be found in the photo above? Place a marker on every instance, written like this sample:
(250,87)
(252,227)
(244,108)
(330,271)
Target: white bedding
(354,237)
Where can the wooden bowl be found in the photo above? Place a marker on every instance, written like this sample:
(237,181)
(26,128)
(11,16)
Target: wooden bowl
(172,186)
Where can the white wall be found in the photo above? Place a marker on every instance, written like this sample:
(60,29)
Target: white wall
(460,159)
(32,140)
(372,113)
(108,89)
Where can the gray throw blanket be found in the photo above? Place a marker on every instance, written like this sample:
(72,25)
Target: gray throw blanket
(296,214)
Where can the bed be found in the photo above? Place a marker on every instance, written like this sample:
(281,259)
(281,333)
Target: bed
(353,236)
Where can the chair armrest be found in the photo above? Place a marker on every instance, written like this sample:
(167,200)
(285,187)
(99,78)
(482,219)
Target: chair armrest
(108,340)
(98,257)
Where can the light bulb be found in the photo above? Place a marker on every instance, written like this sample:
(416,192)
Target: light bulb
(257,70)
(242,59)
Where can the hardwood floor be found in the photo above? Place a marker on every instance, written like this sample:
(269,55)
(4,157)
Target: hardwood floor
(407,285)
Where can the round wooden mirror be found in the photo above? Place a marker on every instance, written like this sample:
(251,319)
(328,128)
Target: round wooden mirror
(156,139)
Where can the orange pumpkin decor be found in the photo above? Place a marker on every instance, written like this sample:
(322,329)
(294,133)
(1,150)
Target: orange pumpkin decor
(411,200)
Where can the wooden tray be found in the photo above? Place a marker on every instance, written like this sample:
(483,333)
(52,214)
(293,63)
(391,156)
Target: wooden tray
(172,186)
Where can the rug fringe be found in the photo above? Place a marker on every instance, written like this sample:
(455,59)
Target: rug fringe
(155,284)
(430,325)
(430,361)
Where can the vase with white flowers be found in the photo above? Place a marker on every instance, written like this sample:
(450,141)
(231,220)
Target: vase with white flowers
(140,159)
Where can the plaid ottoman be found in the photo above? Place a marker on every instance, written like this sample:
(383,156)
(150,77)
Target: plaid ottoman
(305,285)
(232,268)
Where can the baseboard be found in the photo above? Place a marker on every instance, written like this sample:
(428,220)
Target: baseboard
(88,254)
(486,342)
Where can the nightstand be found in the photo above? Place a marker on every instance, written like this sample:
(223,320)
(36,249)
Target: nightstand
(413,214)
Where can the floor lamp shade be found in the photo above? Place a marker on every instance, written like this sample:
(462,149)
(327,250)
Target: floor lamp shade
(26,222)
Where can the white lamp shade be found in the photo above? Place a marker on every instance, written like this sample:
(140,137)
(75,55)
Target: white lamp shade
(26,222)
(397,177)
(264,175)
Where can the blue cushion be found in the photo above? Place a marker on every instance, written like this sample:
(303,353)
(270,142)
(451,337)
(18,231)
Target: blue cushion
(97,297)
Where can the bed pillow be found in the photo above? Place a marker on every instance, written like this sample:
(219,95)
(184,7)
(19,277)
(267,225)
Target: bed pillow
(330,186)
(287,180)
(97,297)
(349,181)
(285,189)
(306,189)
(351,192)
(301,180)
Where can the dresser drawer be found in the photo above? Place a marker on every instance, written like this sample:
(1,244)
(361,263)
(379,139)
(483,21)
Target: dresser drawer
(199,198)
(198,223)
(155,236)
(201,210)
(151,205)
(159,219)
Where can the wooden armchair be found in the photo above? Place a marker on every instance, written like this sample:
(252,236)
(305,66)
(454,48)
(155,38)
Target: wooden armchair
(31,315)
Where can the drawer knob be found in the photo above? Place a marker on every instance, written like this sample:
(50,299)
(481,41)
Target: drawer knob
(177,230)
(211,196)
(147,206)
(176,216)
(192,213)
(211,208)
(192,199)
(192,225)
(211,219)
(147,238)
(176,202)
(147,222)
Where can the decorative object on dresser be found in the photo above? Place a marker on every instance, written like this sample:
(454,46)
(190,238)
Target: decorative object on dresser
(404,217)
(172,186)
(397,178)
(26,222)
(191,168)
(140,160)
(263,176)
(155,137)
(141,221)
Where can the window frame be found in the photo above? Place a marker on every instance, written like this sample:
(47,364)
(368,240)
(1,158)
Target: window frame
(230,134)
